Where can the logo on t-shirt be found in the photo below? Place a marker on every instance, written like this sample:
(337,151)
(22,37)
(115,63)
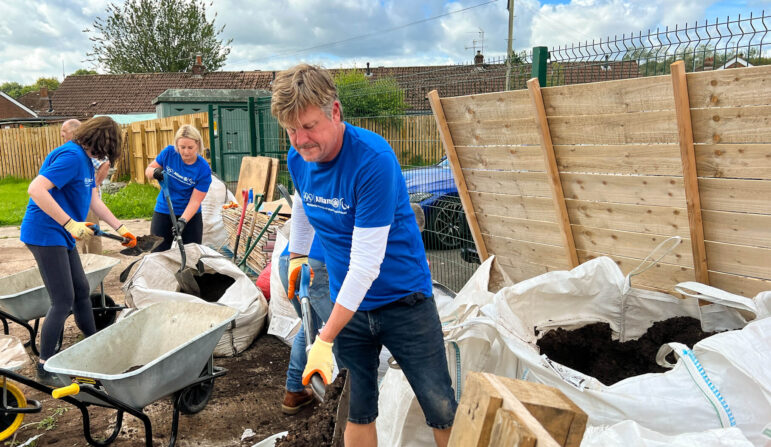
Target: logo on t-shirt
(336,204)
(184,179)
(88,182)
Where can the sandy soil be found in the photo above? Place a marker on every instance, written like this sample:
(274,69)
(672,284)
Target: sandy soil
(248,397)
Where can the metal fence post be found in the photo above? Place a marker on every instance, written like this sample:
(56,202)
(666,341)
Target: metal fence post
(540,55)
(252,127)
(212,140)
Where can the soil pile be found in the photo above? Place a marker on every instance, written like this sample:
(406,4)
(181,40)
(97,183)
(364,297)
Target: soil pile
(590,349)
(213,285)
(318,429)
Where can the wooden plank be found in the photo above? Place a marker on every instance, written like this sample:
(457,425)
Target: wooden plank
(520,229)
(734,160)
(737,228)
(562,418)
(511,403)
(648,159)
(254,174)
(749,86)
(621,96)
(495,132)
(525,251)
(690,182)
(519,270)
(662,276)
(638,190)
(475,415)
(664,220)
(626,128)
(489,106)
(515,206)
(505,158)
(740,285)
(514,183)
(272,179)
(550,161)
(743,196)
(458,175)
(740,259)
(507,431)
(732,125)
(629,244)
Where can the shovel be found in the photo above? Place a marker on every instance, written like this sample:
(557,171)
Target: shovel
(184,276)
(144,243)
(317,383)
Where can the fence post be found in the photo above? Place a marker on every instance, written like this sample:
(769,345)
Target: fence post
(212,140)
(252,127)
(540,55)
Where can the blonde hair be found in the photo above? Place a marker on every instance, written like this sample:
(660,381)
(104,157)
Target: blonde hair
(299,87)
(188,131)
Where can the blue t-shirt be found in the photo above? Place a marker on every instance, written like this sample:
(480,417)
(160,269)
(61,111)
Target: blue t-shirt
(69,168)
(181,178)
(363,187)
(317,250)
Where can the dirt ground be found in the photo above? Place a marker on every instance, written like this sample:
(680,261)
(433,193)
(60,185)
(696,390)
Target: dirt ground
(247,398)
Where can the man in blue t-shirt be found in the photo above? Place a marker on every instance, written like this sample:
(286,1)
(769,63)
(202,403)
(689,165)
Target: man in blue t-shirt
(351,195)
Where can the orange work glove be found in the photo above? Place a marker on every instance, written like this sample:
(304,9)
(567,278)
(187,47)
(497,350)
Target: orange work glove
(295,267)
(132,240)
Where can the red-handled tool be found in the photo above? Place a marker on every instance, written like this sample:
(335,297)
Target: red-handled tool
(245,202)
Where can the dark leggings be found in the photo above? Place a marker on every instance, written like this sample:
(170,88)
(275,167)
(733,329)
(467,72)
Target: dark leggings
(161,226)
(68,289)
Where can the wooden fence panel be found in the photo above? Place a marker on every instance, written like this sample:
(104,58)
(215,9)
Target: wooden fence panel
(617,149)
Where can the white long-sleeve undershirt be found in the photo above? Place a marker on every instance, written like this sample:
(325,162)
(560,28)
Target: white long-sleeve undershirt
(367,252)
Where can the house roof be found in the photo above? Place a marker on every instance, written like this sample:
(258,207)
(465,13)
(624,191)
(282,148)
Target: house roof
(33,101)
(89,95)
(11,108)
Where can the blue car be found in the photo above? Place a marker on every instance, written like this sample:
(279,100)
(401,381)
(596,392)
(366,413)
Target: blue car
(433,188)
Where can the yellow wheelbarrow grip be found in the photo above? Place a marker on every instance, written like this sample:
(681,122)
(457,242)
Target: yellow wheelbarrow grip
(68,390)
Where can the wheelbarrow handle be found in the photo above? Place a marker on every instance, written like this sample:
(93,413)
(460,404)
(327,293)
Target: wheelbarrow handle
(68,390)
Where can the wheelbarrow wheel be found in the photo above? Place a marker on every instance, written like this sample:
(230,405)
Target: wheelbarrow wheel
(9,421)
(194,398)
(103,317)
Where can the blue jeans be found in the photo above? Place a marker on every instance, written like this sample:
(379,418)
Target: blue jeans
(411,330)
(321,307)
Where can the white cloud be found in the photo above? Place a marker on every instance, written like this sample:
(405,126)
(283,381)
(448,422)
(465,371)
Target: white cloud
(37,37)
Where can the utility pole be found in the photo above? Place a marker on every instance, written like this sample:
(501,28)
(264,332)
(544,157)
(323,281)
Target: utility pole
(511,38)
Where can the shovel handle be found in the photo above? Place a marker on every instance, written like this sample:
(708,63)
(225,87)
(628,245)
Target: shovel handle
(98,232)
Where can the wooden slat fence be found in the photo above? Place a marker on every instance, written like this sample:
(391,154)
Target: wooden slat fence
(22,150)
(414,138)
(146,139)
(618,153)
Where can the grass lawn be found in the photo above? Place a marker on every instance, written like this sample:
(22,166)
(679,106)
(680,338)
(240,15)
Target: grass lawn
(132,202)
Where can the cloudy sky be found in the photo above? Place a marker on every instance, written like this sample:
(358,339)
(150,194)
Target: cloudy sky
(46,38)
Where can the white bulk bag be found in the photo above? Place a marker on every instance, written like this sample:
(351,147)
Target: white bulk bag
(725,380)
(153,281)
(214,234)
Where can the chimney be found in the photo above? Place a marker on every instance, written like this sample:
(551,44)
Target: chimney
(369,73)
(43,92)
(198,68)
(708,64)
(479,59)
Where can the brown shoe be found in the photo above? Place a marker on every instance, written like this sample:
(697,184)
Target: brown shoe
(293,402)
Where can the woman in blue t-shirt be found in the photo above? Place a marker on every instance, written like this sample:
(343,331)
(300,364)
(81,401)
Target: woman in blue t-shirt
(60,198)
(188,177)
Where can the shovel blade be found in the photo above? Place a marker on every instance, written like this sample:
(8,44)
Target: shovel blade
(187,283)
(342,412)
(145,244)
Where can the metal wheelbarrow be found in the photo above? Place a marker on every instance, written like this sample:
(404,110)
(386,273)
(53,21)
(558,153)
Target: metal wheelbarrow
(162,350)
(25,298)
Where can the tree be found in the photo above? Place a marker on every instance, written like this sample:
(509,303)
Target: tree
(362,98)
(83,71)
(12,89)
(148,36)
